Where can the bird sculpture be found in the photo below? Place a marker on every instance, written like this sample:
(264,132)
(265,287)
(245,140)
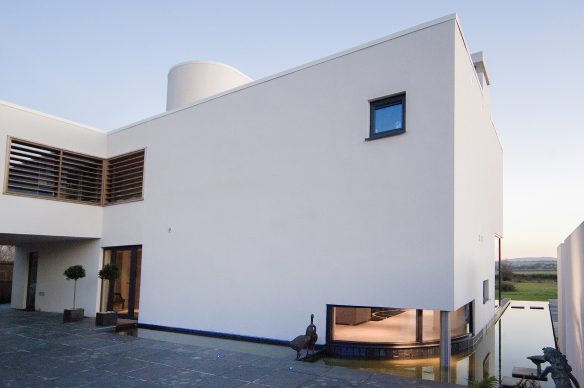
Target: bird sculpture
(559,368)
(305,341)
(300,343)
(311,331)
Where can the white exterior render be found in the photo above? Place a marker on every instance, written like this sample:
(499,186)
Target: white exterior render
(264,203)
(571,300)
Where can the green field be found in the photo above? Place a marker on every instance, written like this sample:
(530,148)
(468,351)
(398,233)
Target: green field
(533,291)
(535,272)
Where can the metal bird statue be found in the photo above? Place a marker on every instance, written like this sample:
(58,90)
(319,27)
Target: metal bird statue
(305,341)
(311,331)
(300,343)
(560,369)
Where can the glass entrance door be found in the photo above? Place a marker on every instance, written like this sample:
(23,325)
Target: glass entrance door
(33,261)
(123,294)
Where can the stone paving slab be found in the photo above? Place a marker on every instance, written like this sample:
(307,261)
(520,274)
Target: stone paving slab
(39,350)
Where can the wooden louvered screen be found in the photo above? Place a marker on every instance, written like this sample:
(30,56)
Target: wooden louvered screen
(42,171)
(81,178)
(33,169)
(125,175)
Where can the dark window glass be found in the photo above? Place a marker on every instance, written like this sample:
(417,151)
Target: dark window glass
(387,116)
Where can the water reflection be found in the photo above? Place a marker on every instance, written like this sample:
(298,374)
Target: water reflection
(474,366)
(524,332)
(273,351)
(518,334)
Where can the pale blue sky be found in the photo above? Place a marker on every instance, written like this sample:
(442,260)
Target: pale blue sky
(105,63)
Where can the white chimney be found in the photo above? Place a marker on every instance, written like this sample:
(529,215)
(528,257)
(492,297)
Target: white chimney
(480,66)
(191,81)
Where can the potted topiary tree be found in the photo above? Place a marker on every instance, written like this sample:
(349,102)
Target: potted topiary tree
(110,273)
(75,272)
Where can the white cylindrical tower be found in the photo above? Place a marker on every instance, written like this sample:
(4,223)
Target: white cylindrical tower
(195,80)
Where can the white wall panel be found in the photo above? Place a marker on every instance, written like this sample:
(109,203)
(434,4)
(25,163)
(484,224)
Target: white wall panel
(478,189)
(571,295)
(277,205)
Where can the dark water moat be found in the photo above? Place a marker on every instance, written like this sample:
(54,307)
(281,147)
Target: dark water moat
(520,332)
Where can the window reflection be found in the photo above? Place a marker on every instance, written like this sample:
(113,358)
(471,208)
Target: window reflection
(395,325)
(388,118)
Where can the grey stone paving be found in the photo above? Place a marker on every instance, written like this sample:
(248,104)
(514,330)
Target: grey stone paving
(39,350)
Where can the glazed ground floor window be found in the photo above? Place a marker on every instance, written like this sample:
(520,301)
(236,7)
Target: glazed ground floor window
(395,325)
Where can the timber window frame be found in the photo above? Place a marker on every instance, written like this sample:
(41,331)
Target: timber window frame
(124,178)
(46,172)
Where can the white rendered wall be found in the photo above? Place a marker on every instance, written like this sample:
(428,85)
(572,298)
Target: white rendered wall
(123,223)
(54,258)
(561,324)
(571,300)
(478,189)
(34,216)
(277,205)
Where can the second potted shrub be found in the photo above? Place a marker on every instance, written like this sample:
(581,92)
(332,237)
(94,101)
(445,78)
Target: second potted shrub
(110,273)
(75,272)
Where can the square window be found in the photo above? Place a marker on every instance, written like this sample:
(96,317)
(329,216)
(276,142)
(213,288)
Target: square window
(486,296)
(387,116)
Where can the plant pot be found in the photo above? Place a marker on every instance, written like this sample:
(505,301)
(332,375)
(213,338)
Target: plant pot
(72,315)
(109,318)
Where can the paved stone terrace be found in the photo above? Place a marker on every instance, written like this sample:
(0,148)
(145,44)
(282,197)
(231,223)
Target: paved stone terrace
(39,350)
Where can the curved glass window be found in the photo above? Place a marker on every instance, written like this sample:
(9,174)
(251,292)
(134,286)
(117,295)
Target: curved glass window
(394,325)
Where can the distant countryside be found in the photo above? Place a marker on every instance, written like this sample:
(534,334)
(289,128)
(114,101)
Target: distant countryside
(529,278)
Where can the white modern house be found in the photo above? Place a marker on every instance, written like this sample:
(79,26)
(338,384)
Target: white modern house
(571,300)
(364,187)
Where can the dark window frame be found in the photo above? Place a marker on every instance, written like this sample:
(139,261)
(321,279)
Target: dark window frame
(384,102)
